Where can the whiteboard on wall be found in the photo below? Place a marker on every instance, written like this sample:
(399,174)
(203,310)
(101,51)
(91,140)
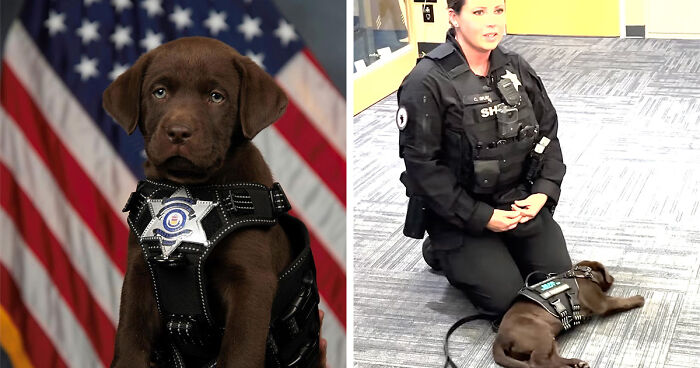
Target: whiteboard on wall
(673,19)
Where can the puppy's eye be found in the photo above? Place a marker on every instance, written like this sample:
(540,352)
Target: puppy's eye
(160,93)
(216,97)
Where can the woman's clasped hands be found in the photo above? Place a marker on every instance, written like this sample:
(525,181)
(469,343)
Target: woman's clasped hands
(521,212)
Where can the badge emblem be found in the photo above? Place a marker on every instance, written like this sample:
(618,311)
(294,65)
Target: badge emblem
(176,219)
(513,78)
(401,118)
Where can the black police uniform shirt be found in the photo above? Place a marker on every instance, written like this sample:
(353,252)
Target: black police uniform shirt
(429,109)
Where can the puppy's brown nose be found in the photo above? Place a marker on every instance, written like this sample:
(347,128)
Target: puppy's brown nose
(178,134)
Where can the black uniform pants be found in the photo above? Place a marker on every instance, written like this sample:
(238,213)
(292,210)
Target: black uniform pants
(491,268)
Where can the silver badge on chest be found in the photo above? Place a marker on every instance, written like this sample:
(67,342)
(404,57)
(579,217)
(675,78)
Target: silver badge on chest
(176,219)
(513,78)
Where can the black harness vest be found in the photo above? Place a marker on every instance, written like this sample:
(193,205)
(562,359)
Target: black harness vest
(177,227)
(558,294)
(495,163)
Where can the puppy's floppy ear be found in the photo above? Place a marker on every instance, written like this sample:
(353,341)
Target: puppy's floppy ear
(606,276)
(598,267)
(122,98)
(261,100)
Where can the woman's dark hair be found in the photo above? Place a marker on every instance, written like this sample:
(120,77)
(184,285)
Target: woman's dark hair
(455,5)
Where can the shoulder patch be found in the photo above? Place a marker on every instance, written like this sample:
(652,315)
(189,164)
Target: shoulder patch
(401,118)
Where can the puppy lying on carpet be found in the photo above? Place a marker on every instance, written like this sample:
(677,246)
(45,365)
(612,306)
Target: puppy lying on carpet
(218,274)
(526,336)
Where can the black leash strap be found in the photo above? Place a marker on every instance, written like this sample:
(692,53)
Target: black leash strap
(449,363)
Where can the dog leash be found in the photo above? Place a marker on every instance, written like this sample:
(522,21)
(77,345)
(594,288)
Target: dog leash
(449,363)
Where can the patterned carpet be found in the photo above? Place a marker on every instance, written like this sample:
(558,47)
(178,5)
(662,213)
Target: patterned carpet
(629,125)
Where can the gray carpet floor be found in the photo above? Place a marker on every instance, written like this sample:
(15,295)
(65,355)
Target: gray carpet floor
(629,125)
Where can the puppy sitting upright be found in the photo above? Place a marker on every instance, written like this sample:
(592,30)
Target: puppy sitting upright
(217,273)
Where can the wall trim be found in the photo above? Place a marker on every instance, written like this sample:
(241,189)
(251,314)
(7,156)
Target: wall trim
(623,18)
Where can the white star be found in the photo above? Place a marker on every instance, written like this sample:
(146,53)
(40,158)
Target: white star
(88,31)
(285,32)
(55,23)
(216,22)
(120,5)
(513,78)
(87,68)
(250,27)
(117,70)
(153,7)
(121,37)
(90,2)
(257,58)
(181,17)
(151,41)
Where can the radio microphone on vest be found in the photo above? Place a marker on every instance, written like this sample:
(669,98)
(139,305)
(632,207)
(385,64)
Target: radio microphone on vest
(509,92)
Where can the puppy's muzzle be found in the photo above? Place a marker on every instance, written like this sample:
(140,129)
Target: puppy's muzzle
(178,134)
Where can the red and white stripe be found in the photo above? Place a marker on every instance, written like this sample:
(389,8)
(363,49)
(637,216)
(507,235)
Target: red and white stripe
(20,164)
(44,301)
(317,98)
(62,264)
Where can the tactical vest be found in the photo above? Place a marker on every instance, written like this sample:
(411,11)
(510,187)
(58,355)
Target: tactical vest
(558,294)
(492,163)
(178,226)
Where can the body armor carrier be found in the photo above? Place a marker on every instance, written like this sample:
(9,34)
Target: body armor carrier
(177,227)
(558,294)
(498,127)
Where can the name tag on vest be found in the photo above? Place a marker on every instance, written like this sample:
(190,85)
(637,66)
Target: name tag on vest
(480,98)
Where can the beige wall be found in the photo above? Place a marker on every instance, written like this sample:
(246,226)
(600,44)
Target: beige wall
(429,32)
(634,12)
(673,19)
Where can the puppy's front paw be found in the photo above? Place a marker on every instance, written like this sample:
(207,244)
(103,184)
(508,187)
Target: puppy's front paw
(582,364)
(637,301)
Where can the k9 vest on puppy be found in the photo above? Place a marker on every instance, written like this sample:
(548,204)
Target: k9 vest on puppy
(558,294)
(178,226)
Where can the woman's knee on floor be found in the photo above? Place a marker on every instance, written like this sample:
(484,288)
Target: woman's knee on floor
(495,304)
(493,301)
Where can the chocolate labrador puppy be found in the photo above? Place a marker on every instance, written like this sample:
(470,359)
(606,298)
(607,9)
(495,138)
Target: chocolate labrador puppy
(526,336)
(198,103)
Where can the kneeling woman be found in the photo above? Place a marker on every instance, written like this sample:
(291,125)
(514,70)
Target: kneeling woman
(479,140)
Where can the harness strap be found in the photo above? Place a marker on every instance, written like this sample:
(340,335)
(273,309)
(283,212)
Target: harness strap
(449,59)
(563,313)
(177,228)
(558,294)
(293,340)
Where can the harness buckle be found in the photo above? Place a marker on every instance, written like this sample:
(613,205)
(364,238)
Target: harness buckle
(300,303)
(185,330)
(587,272)
(238,202)
(280,203)
(176,259)
(302,354)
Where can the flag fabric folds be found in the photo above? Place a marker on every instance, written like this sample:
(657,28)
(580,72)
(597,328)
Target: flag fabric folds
(66,169)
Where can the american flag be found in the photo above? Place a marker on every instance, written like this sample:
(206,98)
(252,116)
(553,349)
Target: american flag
(66,169)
